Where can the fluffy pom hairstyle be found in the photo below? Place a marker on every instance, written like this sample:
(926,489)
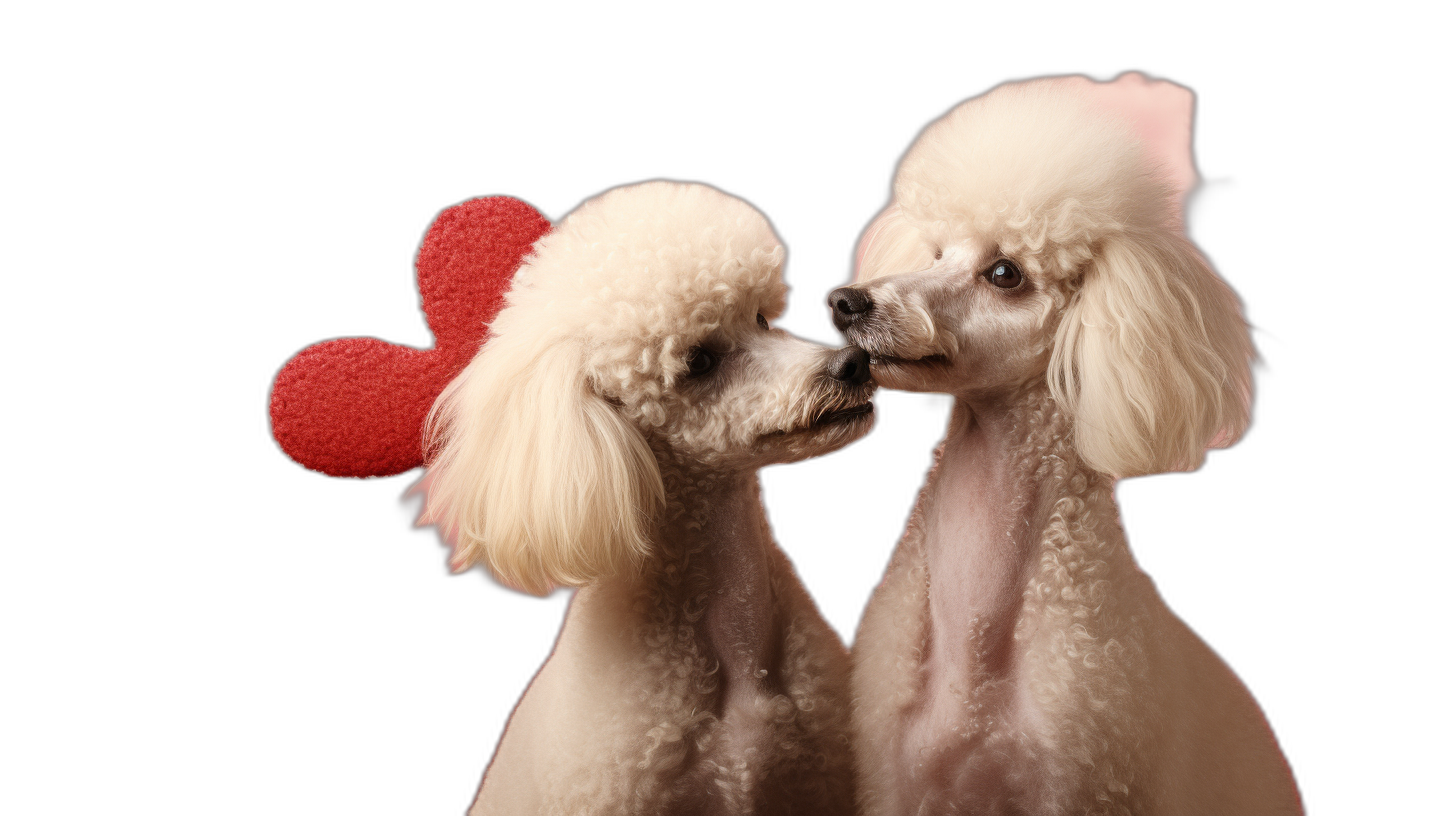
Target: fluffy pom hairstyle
(1083,184)
(539,464)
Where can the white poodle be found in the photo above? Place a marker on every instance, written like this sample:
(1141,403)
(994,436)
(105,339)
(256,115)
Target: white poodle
(607,436)
(1032,264)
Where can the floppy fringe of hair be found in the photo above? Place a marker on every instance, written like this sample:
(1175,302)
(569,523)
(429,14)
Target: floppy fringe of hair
(1152,358)
(535,476)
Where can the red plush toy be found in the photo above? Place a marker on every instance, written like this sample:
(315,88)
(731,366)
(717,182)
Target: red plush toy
(356,406)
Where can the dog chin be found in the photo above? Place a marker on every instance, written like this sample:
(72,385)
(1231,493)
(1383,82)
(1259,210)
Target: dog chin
(851,414)
(829,431)
(835,429)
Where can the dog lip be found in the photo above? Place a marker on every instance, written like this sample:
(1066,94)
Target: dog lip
(929,359)
(840,416)
(863,409)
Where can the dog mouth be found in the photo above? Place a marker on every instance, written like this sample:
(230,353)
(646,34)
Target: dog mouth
(834,418)
(881,360)
(849,414)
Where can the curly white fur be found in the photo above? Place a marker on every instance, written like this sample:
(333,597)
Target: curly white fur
(1015,659)
(693,674)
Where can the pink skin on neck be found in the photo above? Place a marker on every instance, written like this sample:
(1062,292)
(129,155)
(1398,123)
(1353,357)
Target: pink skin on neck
(980,530)
(979,541)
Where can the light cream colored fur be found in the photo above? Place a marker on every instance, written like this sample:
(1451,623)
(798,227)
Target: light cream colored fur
(1015,659)
(693,673)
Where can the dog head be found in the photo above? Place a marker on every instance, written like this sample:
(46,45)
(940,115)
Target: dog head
(1036,232)
(635,337)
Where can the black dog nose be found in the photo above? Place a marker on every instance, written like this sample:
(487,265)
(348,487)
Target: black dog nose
(850,365)
(849,304)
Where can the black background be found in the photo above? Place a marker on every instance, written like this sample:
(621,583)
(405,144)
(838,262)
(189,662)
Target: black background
(351,673)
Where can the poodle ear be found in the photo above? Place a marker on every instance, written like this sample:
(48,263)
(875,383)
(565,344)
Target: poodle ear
(1152,358)
(889,245)
(534,474)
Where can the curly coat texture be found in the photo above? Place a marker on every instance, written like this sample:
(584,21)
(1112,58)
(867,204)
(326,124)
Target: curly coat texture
(693,673)
(1155,366)
(618,292)
(1015,659)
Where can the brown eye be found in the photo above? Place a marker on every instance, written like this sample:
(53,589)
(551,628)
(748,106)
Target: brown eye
(762,321)
(1004,274)
(700,362)
(938,253)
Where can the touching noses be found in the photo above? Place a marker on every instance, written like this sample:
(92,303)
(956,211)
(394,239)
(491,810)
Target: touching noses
(850,365)
(849,304)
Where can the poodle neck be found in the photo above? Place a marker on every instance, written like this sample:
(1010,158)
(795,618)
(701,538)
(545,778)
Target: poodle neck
(984,513)
(718,561)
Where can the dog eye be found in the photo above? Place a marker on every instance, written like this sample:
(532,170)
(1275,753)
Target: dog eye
(762,321)
(1004,274)
(938,253)
(700,362)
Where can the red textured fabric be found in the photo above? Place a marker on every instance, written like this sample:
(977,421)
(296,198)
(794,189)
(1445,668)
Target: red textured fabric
(356,406)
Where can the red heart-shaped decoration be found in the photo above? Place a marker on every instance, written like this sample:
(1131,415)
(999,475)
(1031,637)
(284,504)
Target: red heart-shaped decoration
(356,406)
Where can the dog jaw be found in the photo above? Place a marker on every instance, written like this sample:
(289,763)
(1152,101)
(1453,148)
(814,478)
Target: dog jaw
(919,374)
(831,421)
